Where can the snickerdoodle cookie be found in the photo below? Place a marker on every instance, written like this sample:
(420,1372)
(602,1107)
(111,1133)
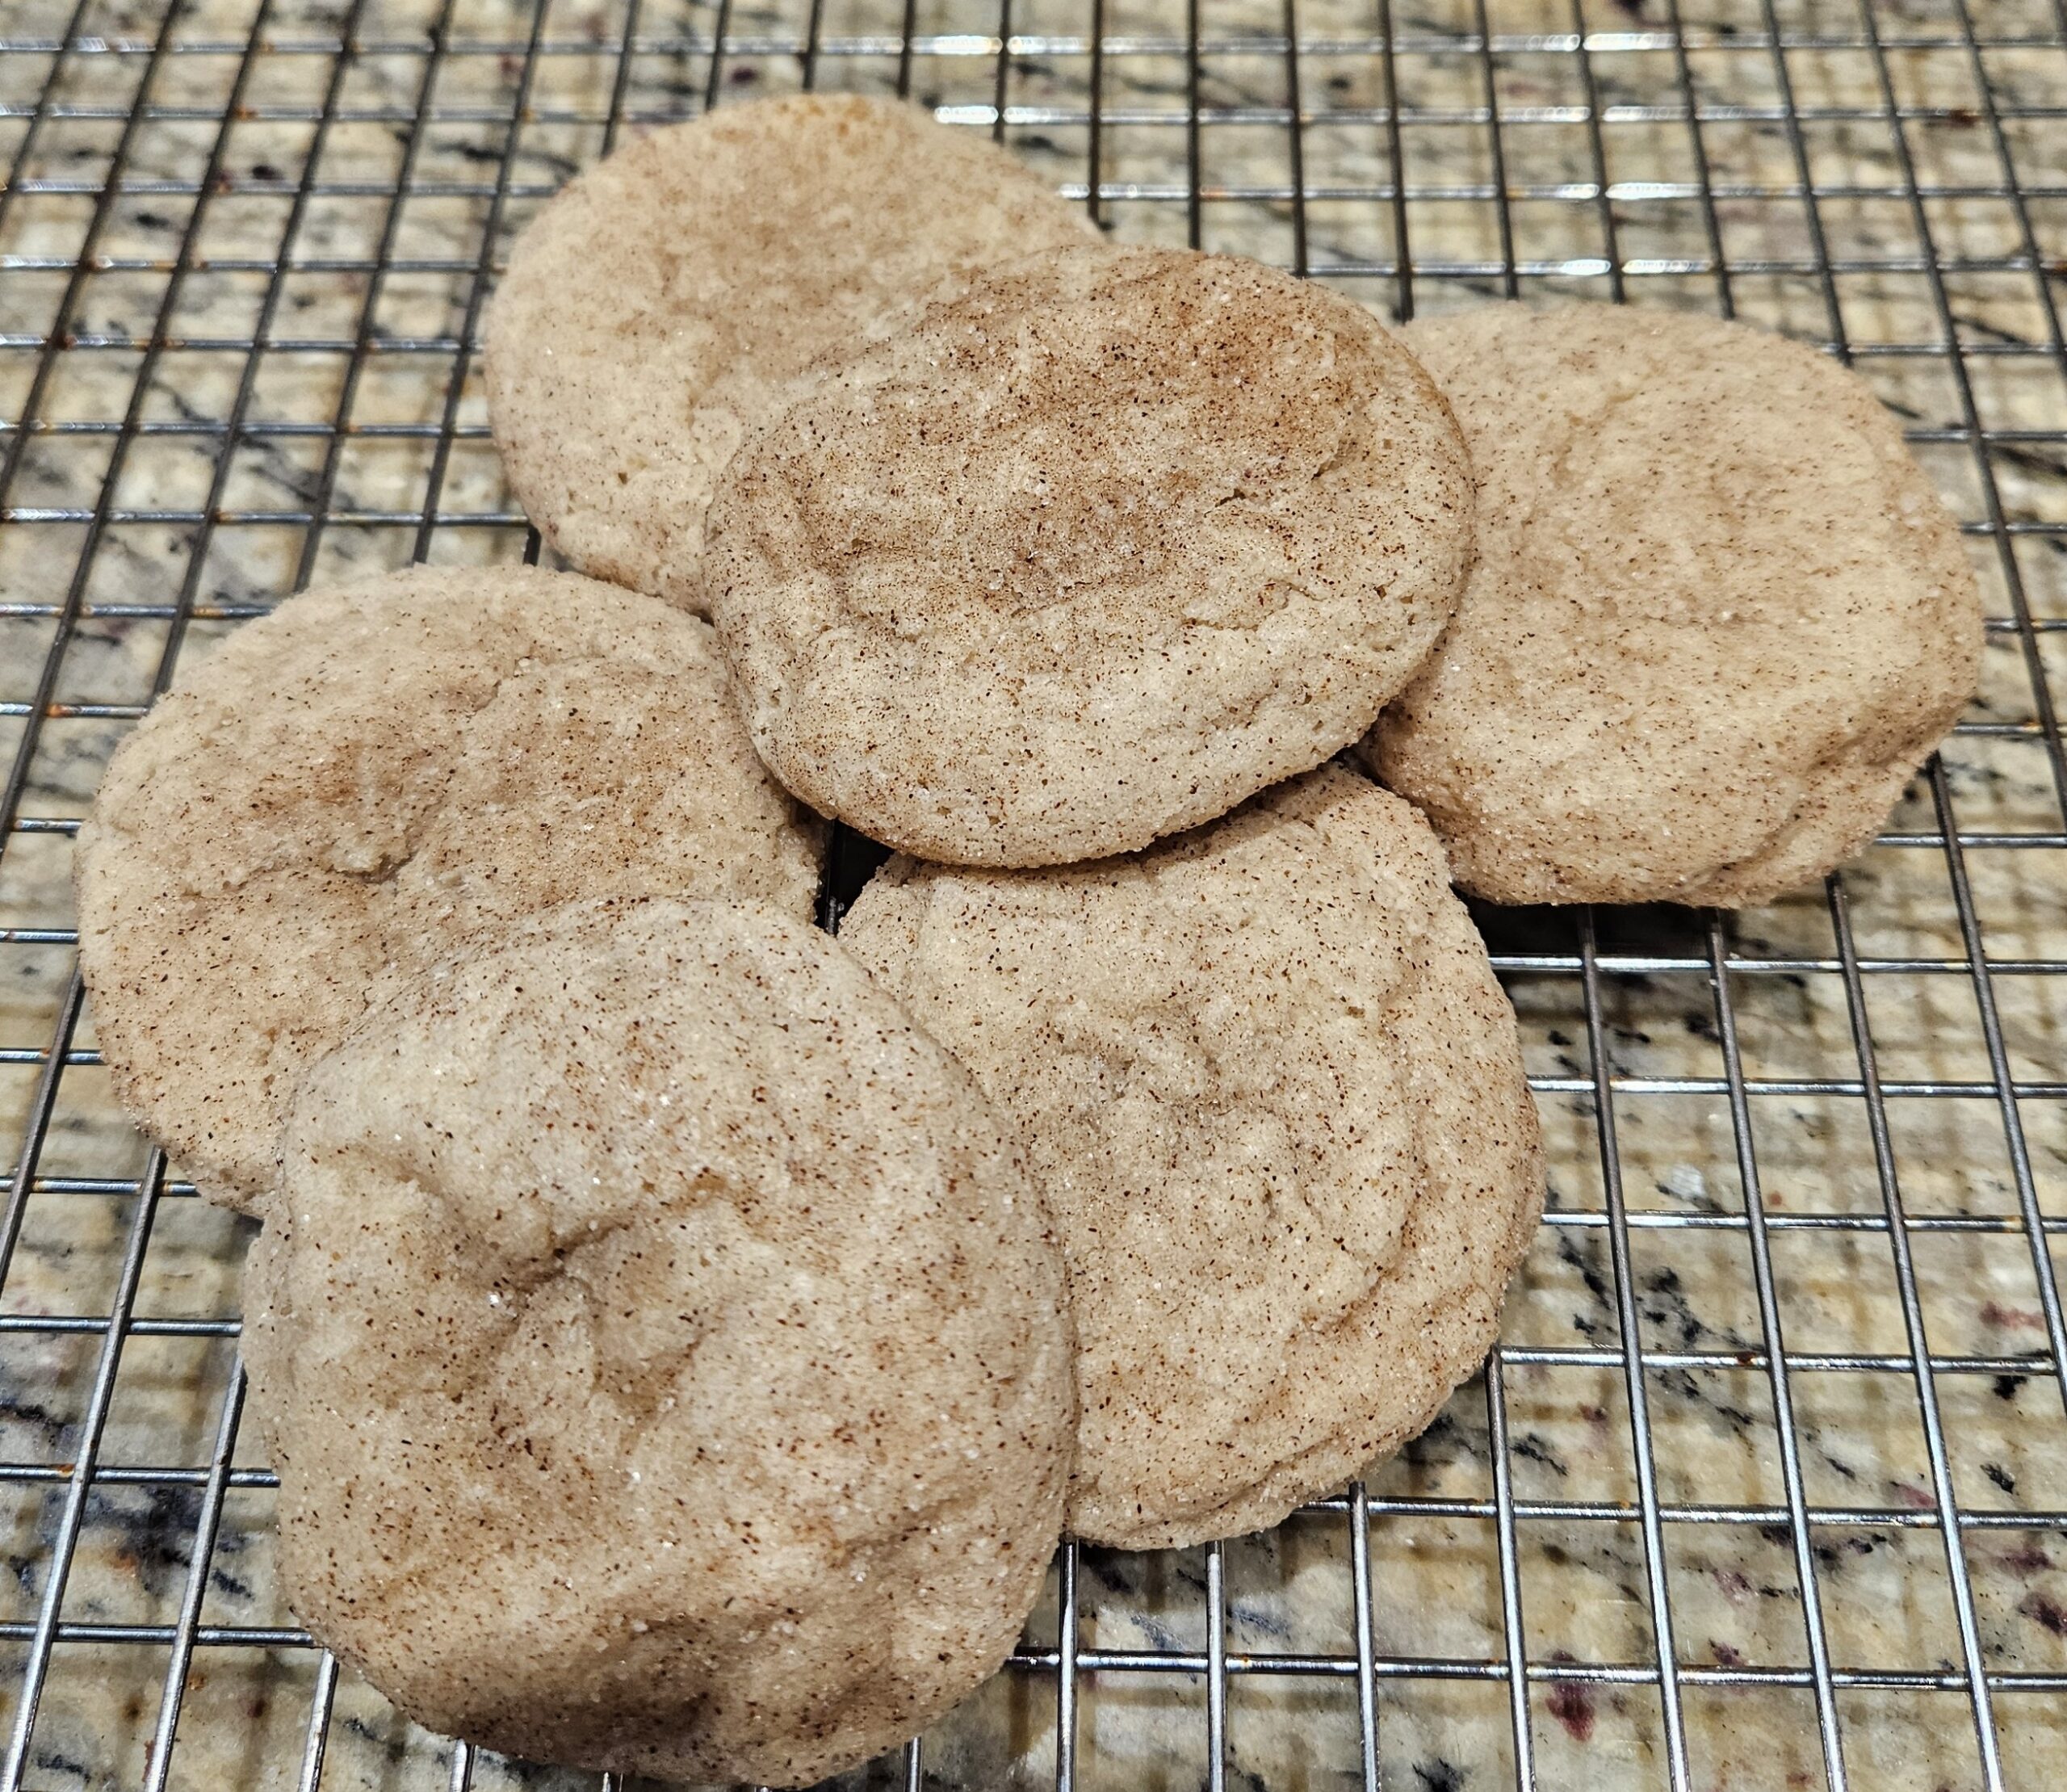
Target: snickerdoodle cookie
(663,300)
(1101,548)
(1718,617)
(664,1351)
(351,786)
(1275,1097)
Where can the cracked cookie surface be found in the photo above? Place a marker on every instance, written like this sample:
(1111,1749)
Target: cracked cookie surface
(349,788)
(670,294)
(1718,616)
(1274,1096)
(664,1351)
(1104,546)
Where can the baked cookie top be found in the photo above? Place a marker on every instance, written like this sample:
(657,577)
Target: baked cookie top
(350,787)
(663,1352)
(1102,547)
(1718,615)
(1275,1097)
(664,297)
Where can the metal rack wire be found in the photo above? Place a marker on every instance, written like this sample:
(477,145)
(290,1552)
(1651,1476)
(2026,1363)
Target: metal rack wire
(244,247)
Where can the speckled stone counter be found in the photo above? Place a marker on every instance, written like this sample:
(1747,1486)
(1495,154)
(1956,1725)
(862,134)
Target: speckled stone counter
(246,363)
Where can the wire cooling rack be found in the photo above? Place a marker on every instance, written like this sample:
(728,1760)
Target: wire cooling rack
(1767,1485)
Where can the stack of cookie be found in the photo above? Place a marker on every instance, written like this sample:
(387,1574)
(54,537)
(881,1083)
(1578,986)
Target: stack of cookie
(681,1335)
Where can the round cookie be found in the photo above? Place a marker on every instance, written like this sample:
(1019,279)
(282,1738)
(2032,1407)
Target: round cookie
(1106,546)
(351,787)
(665,296)
(1717,619)
(663,1352)
(1275,1097)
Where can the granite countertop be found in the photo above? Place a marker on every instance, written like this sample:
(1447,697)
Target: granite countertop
(1579,1562)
